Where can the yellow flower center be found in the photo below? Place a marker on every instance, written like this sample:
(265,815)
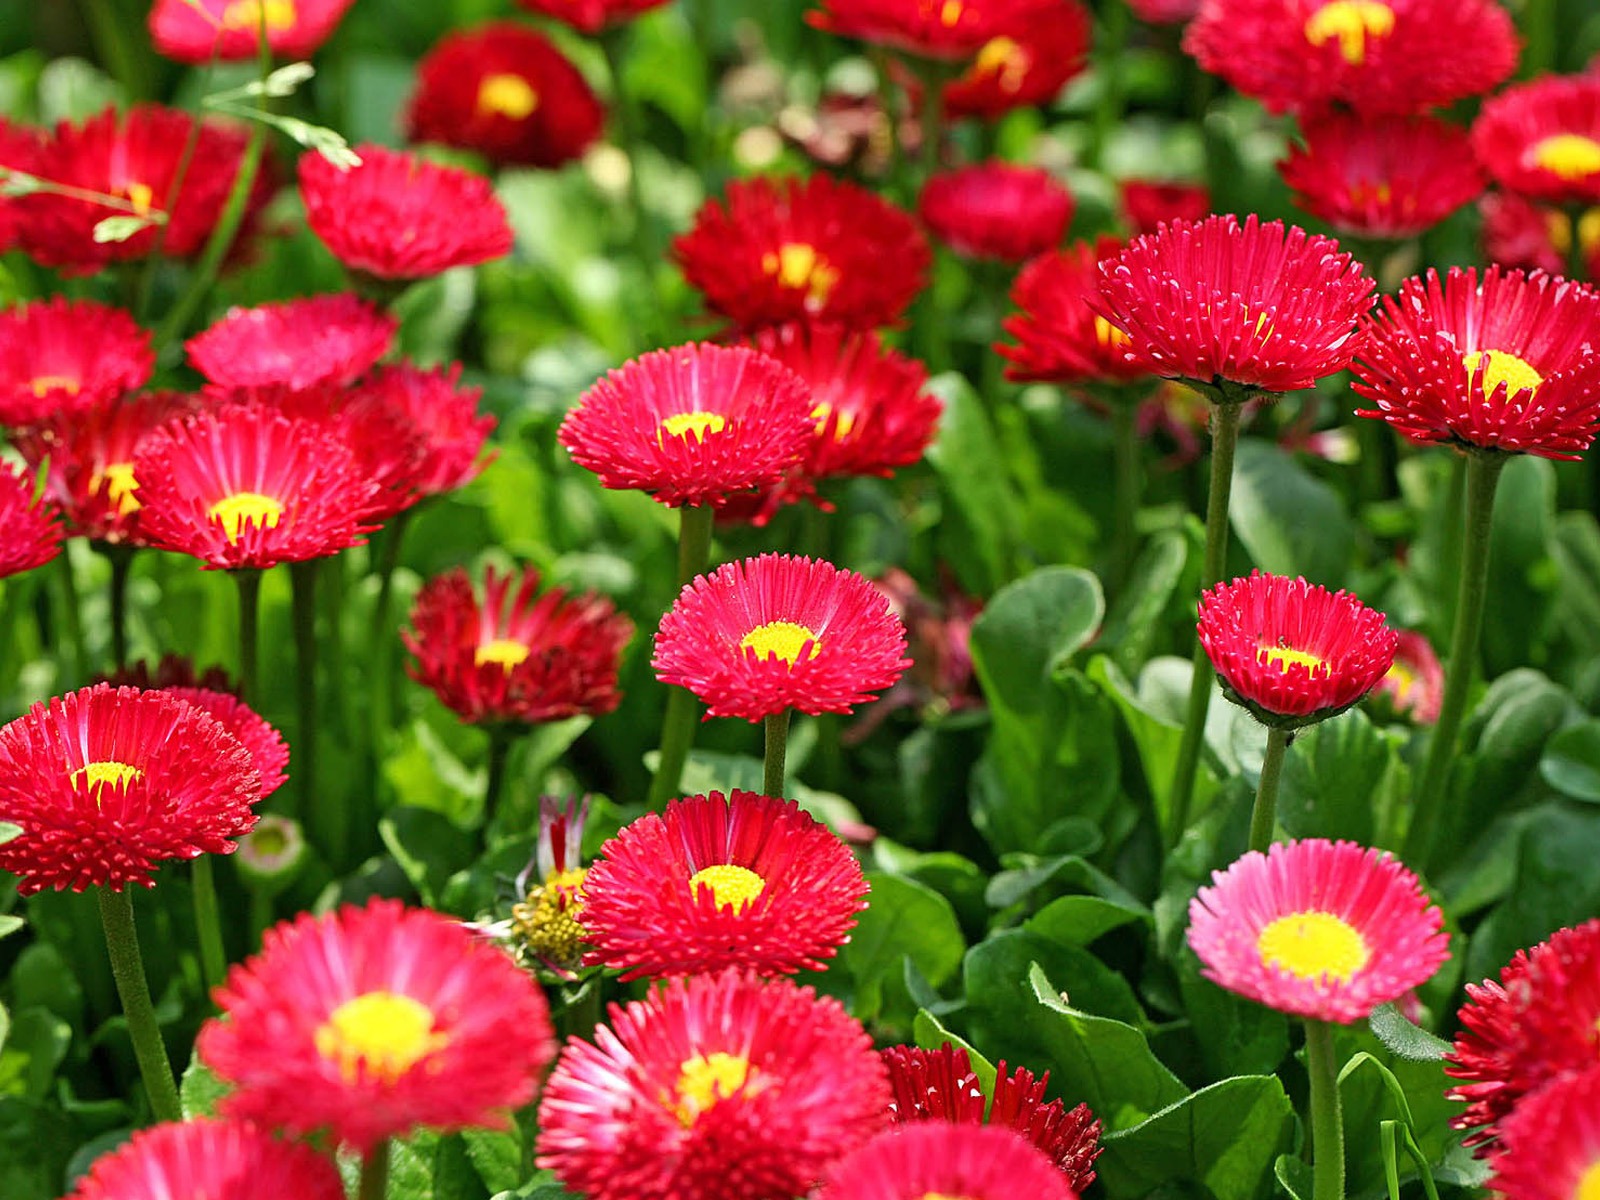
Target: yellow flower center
(508,652)
(1501,366)
(508,95)
(1282,656)
(381,1035)
(1352,22)
(141,196)
(1108,334)
(1403,678)
(120,485)
(1005,60)
(242,508)
(705,1079)
(1588,1183)
(1313,945)
(42,384)
(731,886)
(798,265)
(694,424)
(96,775)
(246,15)
(546,923)
(1568,156)
(782,638)
(1559,228)
(950,13)
(841,429)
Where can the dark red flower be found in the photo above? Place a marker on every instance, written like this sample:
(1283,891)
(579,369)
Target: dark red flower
(1147,203)
(1028,65)
(591,16)
(505,91)
(1542,139)
(196,31)
(788,250)
(945,29)
(1381,177)
(298,343)
(996,210)
(30,529)
(1551,1143)
(1060,338)
(217,1160)
(63,356)
(442,417)
(1520,233)
(401,217)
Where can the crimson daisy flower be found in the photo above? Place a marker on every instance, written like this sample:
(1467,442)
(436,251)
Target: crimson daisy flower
(1375,56)
(512,657)
(1414,685)
(720,1087)
(1026,66)
(1539,1021)
(196,31)
(591,16)
(996,210)
(1381,177)
(245,486)
(1501,361)
(789,249)
(974,1162)
(1319,929)
(1148,203)
(940,1085)
(401,217)
(443,418)
(68,355)
(1236,309)
(1164,12)
(506,91)
(298,343)
(691,424)
(1290,652)
(1551,1143)
(930,28)
(777,632)
(219,1160)
(1060,338)
(1520,233)
(370,1022)
(136,156)
(739,881)
(30,530)
(1542,139)
(107,782)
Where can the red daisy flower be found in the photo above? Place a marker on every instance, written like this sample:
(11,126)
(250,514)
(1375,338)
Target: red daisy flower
(1319,929)
(1291,652)
(1148,203)
(1414,685)
(996,210)
(1520,233)
(1384,177)
(1164,12)
(1028,66)
(974,1162)
(219,1160)
(1236,308)
(442,417)
(30,532)
(1542,139)
(244,486)
(930,28)
(776,632)
(591,16)
(789,249)
(940,1085)
(108,782)
(62,355)
(719,1087)
(691,424)
(739,881)
(135,156)
(511,657)
(1504,361)
(1539,1022)
(1060,338)
(196,31)
(507,92)
(298,343)
(401,217)
(1552,1143)
(1375,56)
(370,1022)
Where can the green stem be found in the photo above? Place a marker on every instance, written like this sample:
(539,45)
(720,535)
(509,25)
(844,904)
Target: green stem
(1109,65)
(260,913)
(381,650)
(1264,816)
(777,726)
(1539,27)
(121,558)
(1483,475)
(1224,441)
(1126,488)
(72,612)
(1577,257)
(678,722)
(933,76)
(500,740)
(208,921)
(328,817)
(375,1173)
(613,42)
(1327,1121)
(106,28)
(127,968)
(249,582)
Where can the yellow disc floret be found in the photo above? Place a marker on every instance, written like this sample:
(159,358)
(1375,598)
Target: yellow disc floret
(705,1079)
(545,925)
(508,652)
(1588,1184)
(379,1035)
(246,508)
(1518,374)
(43,384)
(1352,22)
(120,486)
(1282,656)
(507,95)
(1569,156)
(246,15)
(785,639)
(693,424)
(96,775)
(731,886)
(1314,945)
(1006,60)
(798,265)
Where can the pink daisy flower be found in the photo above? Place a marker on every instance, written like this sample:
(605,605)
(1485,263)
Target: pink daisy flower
(63,355)
(974,1162)
(217,1160)
(297,343)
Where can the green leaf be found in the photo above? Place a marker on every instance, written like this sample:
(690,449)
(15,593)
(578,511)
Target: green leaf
(1079,920)
(1155,724)
(121,228)
(10,923)
(977,536)
(201,1090)
(1332,775)
(1290,521)
(1571,762)
(1134,621)
(8,831)
(903,919)
(930,1034)
(497,1156)
(1404,1039)
(1294,1176)
(429,848)
(1235,1036)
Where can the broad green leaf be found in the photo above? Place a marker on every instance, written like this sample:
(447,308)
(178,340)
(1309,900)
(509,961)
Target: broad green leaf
(429,848)
(977,535)
(496,1154)
(1289,520)
(1235,1036)
(1134,620)
(930,1034)
(201,1090)
(1404,1039)
(1152,713)
(9,923)
(1079,920)
(1571,762)
(8,831)
(903,919)
(1520,607)
(1332,776)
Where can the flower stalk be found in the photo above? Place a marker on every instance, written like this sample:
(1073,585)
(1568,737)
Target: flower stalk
(133,989)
